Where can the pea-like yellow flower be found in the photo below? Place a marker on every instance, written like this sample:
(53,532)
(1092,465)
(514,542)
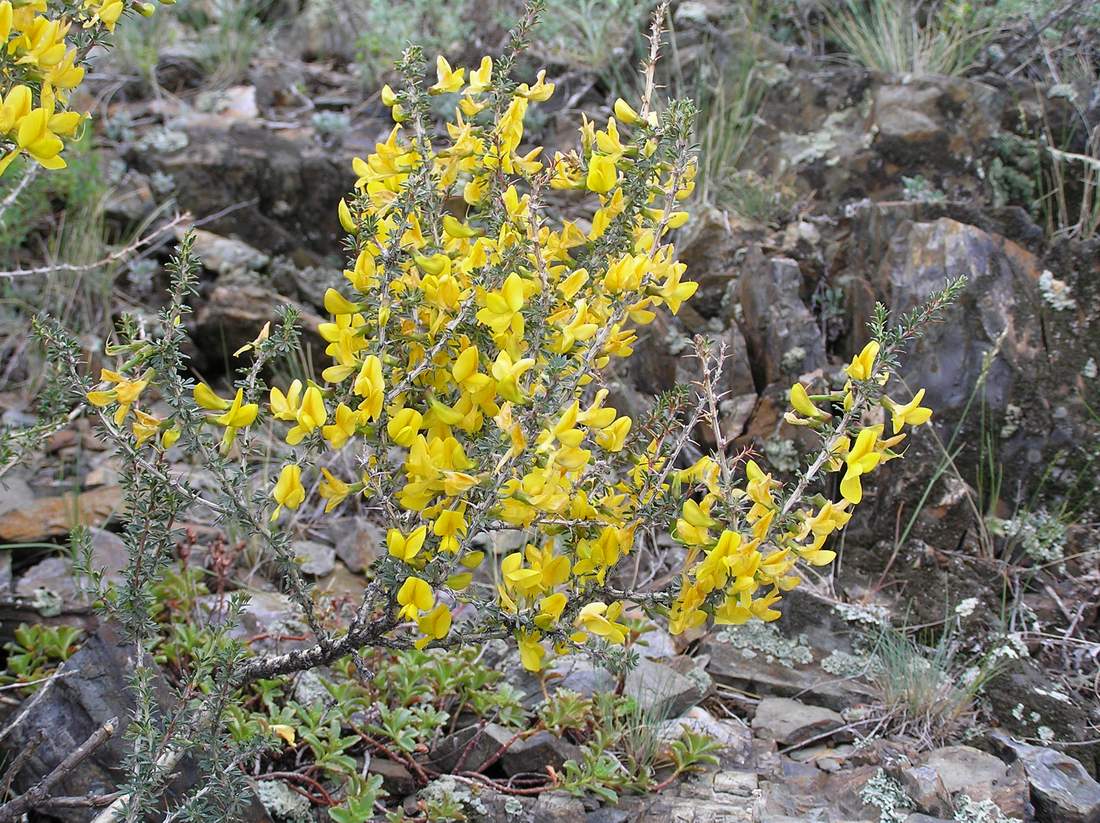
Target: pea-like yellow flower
(414,596)
(125,392)
(435,625)
(507,373)
(602,174)
(448,80)
(288,491)
(333,490)
(238,415)
(370,385)
(404,426)
(862,366)
(502,308)
(448,526)
(310,416)
(909,414)
(342,429)
(403,547)
(531,652)
(599,619)
(860,460)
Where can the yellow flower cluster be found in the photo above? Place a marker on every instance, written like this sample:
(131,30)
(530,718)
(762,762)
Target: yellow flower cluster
(464,382)
(40,66)
(741,573)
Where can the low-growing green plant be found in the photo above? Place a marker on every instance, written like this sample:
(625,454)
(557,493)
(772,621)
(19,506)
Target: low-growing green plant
(36,651)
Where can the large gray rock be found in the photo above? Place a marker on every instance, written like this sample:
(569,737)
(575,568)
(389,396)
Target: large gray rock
(471,748)
(660,690)
(783,338)
(1061,789)
(789,722)
(531,755)
(964,768)
(291,185)
(73,707)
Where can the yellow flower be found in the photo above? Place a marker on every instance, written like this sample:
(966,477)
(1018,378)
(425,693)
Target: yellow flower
(625,112)
(345,425)
(602,174)
(370,385)
(550,609)
(125,392)
(481,77)
(531,652)
(448,525)
(449,81)
(599,619)
(333,490)
(502,309)
(404,426)
(414,596)
(613,438)
(311,415)
(406,548)
(801,403)
(507,374)
(862,366)
(861,459)
(910,414)
(435,625)
(288,490)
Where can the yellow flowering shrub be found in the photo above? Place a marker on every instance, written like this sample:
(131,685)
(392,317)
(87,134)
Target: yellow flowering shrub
(43,51)
(488,285)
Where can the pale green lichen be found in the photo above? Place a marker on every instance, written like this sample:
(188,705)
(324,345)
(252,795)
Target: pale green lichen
(1056,292)
(845,664)
(980,811)
(282,802)
(781,454)
(764,639)
(866,614)
(888,796)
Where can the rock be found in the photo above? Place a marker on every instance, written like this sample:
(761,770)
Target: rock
(733,735)
(396,779)
(531,755)
(5,574)
(917,817)
(357,542)
(53,575)
(753,671)
(15,493)
(76,706)
(47,517)
(577,673)
(315,559)
(1061,789)
(789,722)
(661,690)
(964,767)
(655,644)
(924,785)
(455,751)
(557,807)
(269,620)
(58,575)
(783,337)
(905,119)
(292,185)
(224,255)
(341,583)
(1030,337)
(234,313)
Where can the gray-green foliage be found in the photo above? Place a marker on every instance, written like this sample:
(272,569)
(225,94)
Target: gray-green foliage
(439,28)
